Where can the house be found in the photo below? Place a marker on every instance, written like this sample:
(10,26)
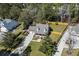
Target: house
(40,29)
(75,29)
(7,25)
(74,33)
(74,36)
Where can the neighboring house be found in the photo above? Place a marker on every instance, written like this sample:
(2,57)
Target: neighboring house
(40,29)
(75,30)
(7,25)
(74,36)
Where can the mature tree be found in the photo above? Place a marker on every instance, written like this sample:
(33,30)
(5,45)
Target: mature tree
(24,18)
(74,10)
(48,47)
(27,51)
(4,10)
(27,15)
(19,5)
(14,12)
(48,12)
(10,41)
(10,10)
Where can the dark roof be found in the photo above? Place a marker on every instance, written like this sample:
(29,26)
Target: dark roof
(9,24)
(40,28)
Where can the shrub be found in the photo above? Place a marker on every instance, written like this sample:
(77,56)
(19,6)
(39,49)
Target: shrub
(56,23)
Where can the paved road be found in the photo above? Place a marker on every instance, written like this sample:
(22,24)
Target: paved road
(61,43)
(19,50)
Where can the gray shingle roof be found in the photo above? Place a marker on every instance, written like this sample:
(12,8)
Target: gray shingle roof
(8,24)
(40,28)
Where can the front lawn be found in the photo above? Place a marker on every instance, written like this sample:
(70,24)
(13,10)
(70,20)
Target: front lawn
(35,49)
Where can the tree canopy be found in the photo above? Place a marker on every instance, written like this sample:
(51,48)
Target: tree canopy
(36,13)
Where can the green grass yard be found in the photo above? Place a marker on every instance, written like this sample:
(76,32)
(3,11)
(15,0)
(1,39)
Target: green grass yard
(57,28)
(54,37)
(35,49)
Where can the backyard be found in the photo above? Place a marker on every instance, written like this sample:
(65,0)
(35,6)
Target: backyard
(35,49)
(57,30)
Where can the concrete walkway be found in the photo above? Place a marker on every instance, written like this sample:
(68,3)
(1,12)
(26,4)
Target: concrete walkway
(61,43)
(19,50)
